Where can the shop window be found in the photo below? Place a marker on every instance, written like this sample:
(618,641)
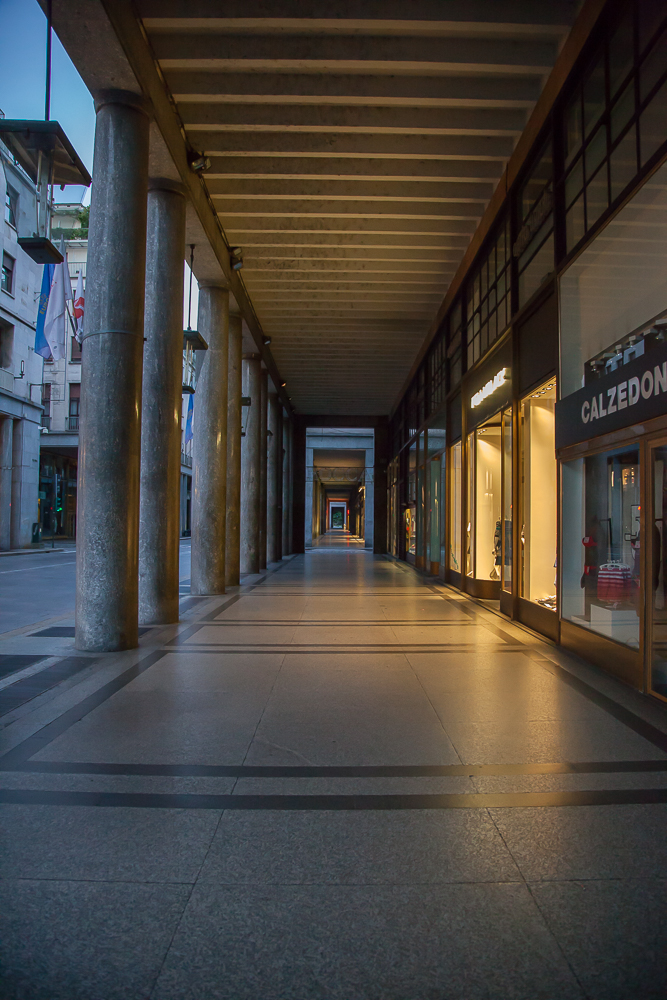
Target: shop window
(657,568)
(7,279)
(483,520)
(11,206)
(507,501)
(454,506)
(538,539)
(601,544)
(410,532)
(435,480)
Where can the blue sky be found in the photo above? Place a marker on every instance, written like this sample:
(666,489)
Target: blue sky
(22,81)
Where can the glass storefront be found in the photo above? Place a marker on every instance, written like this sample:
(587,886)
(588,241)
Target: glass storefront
(507,501)
(601,544)
(539,528)
(435,445)
(483,520)
(657,570)
(454,560)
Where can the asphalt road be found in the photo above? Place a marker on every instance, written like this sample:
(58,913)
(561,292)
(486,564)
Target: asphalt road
(41,585)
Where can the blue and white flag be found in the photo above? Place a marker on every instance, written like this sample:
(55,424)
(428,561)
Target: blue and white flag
(41,345)
(188,418)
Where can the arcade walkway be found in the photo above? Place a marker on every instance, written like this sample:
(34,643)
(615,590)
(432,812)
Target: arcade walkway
(336,781)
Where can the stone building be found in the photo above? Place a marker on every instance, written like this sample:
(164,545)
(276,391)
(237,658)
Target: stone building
(20,367)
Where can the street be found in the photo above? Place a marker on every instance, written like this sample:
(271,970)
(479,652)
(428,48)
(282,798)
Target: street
(42,585)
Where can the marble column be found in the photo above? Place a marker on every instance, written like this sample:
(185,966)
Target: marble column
(263,456)
(6,434)
(234,426)
(159,516)
(250,464)
(274,504)
(209,481)
(286,486)
(107,550)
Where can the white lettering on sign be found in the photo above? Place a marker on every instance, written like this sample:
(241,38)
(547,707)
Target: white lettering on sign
(651,383)
(491,386)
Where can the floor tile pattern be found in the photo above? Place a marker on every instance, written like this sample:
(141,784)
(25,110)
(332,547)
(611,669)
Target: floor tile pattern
(337,781)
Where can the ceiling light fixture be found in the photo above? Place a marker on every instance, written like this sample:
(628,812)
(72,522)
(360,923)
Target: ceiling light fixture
(236,258)
(198,162)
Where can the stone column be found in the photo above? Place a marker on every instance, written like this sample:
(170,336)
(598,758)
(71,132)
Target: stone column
(234,426)
(209,481)
(250,465)
(263,456)
(25,480)
(274,537)
(6,433)
(286,486)
(310,495)
(107,550)
(162,402)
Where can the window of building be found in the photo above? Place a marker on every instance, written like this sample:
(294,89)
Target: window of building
(11,206)
(507,501)
(455,347)
(538,538)
(75,350)
(487,300)
(46,403)
(74,404)
(7,280)
(6,345)
(615,119)
(436,374)
(613,297)
(534,245)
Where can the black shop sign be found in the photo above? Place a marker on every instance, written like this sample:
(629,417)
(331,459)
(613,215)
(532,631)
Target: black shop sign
(634,392)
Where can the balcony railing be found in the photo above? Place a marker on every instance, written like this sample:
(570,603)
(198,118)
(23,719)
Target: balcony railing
(73,423)
(46,421)
(186,460)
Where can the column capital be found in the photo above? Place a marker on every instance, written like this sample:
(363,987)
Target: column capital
(124,97)
(166,184)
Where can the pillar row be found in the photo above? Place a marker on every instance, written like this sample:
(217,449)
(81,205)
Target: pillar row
(107,547)
(250,465)
(234,427)
(274,505)
(263,459)
(209,514)
(159,519)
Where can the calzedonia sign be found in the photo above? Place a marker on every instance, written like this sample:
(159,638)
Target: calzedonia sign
(634,392)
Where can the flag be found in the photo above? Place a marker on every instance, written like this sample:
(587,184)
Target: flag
(188,419)
(41,346)
(78,306)
(55,322)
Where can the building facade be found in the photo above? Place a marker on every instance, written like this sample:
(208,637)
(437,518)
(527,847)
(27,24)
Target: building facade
(529,448)
(20,367)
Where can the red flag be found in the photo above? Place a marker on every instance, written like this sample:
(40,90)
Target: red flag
(79,305)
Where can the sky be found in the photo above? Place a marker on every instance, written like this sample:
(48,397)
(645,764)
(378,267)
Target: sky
(22,92)
(23,79)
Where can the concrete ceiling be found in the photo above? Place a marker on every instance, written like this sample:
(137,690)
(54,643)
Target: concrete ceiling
(353,152)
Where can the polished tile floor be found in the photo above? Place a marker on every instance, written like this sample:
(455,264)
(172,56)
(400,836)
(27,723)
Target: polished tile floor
(337,781)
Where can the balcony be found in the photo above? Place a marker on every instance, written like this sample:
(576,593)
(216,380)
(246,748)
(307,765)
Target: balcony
(186,460)
(73,423)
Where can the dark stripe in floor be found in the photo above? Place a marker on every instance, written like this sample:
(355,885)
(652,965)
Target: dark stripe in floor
(500,800)
(11,662)
(25,690)
(336,771)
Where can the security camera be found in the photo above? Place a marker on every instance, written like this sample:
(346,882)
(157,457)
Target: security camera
(199,162)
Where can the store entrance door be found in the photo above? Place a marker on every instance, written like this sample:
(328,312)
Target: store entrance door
(656,572)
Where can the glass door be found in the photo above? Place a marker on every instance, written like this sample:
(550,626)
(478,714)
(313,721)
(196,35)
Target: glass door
(656,571)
